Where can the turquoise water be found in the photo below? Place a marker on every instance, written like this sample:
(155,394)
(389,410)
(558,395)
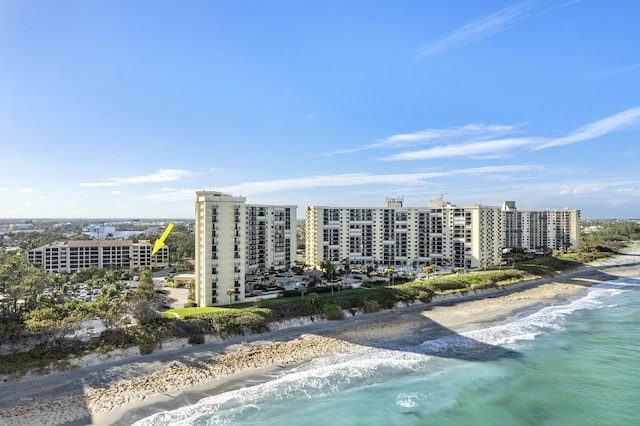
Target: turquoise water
(575,363)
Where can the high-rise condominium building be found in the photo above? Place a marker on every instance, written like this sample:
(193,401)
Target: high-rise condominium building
(237,242)
(441,234)
(119,254)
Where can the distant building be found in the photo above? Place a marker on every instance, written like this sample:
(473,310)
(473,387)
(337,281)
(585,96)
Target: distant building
(236,242)
(104,232)
(441,234)
(118,254)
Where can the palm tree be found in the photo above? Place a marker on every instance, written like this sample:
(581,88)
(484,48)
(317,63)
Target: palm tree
(302,291)
(230,292)
(391,272)
(429,270)
(313,297)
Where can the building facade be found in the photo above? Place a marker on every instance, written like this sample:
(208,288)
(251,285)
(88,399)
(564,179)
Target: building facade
(236,243)
(441,234)
(118,254)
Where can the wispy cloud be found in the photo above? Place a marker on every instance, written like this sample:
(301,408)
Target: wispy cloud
(621,121)
(472,131)
(27,190)
(355,179)
(163,175)
(497,148)
(613,72)
(344,180)
(484,27)
(493,148)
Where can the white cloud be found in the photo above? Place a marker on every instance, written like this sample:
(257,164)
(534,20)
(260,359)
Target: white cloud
(171,194)
(583,189)
(621,121)
(477,146)
(473,131)
(27,190)
(341,180)
(484,27)
(354,179)
(115,192)
(163,175)
(613,72)
(493,148)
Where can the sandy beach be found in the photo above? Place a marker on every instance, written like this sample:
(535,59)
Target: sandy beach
(127,389)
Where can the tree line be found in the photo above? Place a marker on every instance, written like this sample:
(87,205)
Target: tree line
(30,315)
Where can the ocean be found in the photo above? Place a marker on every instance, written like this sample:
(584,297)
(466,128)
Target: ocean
(573,363)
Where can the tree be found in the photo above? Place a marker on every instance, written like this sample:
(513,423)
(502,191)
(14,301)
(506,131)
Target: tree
(302,291)
(84,275)
(230,292)
(143,306)
(145,283)
(21,282)
(328,267)
(53,322)
(429,270)
(313,297)
(390,272)
(144,303)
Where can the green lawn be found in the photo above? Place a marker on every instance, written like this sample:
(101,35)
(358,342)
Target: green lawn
(190,311)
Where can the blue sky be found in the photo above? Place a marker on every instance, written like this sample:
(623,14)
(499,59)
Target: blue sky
(126,108)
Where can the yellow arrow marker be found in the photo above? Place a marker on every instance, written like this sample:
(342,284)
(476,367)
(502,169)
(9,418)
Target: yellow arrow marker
(160,241)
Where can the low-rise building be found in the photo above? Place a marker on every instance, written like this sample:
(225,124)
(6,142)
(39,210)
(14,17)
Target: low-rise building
(118,254)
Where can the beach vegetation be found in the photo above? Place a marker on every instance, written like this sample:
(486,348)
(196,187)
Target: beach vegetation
(332,312)
(233,322)
(47,324)
(188,311)
(371,306)
(196,339)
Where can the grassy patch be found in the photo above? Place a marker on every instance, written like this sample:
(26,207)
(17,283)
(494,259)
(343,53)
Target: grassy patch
(185,312)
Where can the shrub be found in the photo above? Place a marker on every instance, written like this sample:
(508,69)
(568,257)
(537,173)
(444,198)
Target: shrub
(445,285)
(371,306)
(196,339)
(146,348)
(483,286)
(232,322)
(352,302)
(114,337)
(294,309)
(333,312)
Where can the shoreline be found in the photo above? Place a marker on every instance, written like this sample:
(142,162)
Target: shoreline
(128,390)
